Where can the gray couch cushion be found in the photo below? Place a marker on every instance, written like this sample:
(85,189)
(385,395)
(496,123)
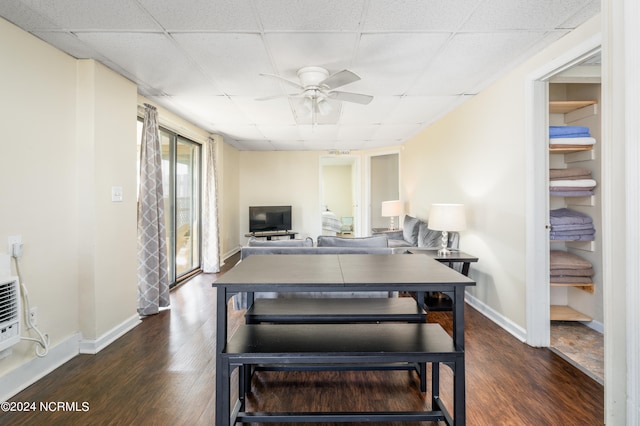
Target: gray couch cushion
(254,242)
(399,243)
(410,230)
(374,241)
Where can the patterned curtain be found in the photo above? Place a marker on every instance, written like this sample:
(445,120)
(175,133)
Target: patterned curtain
(153,280)
(210,236)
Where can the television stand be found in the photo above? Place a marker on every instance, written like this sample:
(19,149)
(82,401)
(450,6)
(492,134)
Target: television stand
(269,234)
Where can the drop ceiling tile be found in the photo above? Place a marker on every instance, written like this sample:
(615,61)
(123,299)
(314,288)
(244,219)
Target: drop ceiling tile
(310,15)
(521,14)
(217,110)
(350,144)
(26,18)
(420,109)
(420,15)
(380,143)
(289,145)
(591,9)
(292,51)
(389,63)
(240,132)
(470,59)
(70,44)
(318,132)
(95,15)
(271,112)
(203,15)
(256,145)
(397,132)
(354,132)
(375,112)
(152,59)
(279,132)
(234,61)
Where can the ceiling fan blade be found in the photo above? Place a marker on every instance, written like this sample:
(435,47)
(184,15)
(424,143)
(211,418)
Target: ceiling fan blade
(339,79)
(351,97)
(284,80)
(288,95)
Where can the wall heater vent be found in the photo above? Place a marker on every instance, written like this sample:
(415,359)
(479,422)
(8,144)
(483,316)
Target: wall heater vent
(9,312)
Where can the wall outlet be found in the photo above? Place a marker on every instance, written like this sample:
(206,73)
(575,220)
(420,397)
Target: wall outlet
(14,239)
(33,316)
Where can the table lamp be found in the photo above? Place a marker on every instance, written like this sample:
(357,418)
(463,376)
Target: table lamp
(445,218)
(391,209)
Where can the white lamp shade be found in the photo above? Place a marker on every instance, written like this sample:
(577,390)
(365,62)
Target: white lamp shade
(391,208)
(447,217)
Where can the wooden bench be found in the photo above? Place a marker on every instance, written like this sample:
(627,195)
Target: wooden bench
(335,310)
(326,344)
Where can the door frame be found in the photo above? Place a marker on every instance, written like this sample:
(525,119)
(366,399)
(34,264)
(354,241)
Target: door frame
(356,185)
(537,199)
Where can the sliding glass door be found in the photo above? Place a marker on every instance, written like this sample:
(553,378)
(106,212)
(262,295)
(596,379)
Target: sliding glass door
(187,207)
(181,178)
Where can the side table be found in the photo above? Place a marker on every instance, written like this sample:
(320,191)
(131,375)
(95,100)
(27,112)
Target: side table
(437,301)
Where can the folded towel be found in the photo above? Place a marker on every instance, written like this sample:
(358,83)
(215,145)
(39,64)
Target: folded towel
(570,188)
(566,216)
(587,272)
(581,193)
(573,227)
(571,280)
(568,131)
(570,173)
(581,141)
(573,183)
(560,259)
(580,237)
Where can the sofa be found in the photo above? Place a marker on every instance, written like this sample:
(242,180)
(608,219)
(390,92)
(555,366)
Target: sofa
(416,233)
(377,244)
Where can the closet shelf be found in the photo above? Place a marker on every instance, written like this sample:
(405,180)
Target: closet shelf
(563,107)
(589,288)
(565,313)
(565,150)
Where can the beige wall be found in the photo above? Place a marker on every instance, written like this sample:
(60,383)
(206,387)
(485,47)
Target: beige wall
(281,178)
(106,157)
(476,156)
(68,137)
(39,174)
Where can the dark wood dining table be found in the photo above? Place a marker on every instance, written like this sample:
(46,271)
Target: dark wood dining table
(339,273)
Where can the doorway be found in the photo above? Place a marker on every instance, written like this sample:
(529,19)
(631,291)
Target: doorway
(340,194)
(564,81)
(384,185)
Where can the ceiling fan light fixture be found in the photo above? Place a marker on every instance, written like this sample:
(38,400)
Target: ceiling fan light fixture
(324,108)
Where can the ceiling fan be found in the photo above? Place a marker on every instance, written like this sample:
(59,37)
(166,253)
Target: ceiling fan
(317,85)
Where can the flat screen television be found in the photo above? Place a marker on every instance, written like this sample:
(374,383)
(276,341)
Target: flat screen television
(269,218)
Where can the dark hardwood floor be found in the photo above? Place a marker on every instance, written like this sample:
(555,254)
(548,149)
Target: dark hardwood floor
(162,373)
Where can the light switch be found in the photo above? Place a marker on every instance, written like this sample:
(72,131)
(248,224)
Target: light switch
(116,194)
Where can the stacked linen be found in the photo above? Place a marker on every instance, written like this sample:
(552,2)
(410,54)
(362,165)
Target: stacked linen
(565,267)
(570,137)
(572,182)
(570,225)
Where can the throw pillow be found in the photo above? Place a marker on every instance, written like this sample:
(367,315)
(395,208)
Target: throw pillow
(410,230)
(428,237)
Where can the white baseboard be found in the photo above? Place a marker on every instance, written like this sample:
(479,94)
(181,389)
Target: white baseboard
(35,369)
(230,253)
(512,328)
(94,346)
